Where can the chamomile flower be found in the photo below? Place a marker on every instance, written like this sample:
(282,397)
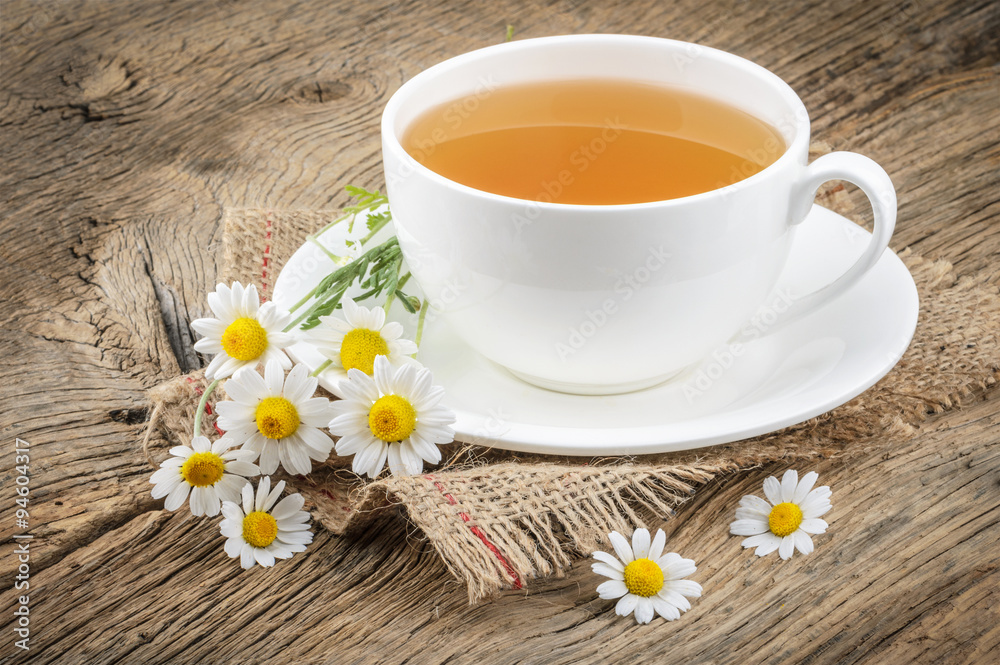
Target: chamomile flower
(784,524)
(354,343)
(644,579)
(210,473)
(244,333)
(277,417)
(260,531)
(392,415)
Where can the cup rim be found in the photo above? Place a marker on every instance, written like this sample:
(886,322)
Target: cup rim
(391,141)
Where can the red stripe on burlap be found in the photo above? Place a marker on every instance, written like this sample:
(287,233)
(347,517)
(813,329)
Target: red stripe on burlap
(208,407)
(479,534)
(266,259)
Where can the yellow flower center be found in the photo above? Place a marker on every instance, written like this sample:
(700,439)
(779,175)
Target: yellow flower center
(244,339)
(784,519)
(259,529)
(277,417)
(643,577)
(392,418)
(359,348)
(203,469)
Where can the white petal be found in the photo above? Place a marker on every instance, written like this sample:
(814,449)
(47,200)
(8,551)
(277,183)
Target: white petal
(804,487)
(294,457)
(656,549)
(383,374)
(354,443)
(644,610)
(268,461)
(211,372)
(675,599)
(772,490)
(182,451)
(610,560)
(611,589)
(247,499)
(679,569)
(316,441)
(423,448)
(803,543)
(234,491)
(231,365)
(247,389)
(208,345)
(233,547)
(240,468)
(164,481)
(212,328)
(765,543)
(789,482)
(607,571)
(748,527)
(288,506)
(787,547)
(359,387)
(274,378)
(299,386)
(396,465)
(640,543)
(232,413)
(263,557)
(274,354)
(365,461)
(246,556)
(684,587)
(197,502)
(272,496)
(622,547)
(756,504)
(813,526)
(626,605)
(177,496)
(665,609)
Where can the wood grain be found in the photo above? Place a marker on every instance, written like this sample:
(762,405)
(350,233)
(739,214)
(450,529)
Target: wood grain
(128,126)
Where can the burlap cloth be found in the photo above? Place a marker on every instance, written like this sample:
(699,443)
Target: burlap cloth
(498,518)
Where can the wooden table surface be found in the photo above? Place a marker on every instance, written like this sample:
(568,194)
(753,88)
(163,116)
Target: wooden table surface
(129,126)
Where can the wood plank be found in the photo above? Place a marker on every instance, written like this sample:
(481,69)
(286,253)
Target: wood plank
(907,573)
(127,127)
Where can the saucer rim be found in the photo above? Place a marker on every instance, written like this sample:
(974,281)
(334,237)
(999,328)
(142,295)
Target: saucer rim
(651,439)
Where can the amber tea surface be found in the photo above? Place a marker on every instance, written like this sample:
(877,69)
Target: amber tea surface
(596,142)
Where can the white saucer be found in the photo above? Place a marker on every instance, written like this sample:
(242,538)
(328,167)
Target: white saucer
(793,374)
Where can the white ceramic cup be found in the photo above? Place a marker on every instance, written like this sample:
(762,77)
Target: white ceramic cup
(603,299)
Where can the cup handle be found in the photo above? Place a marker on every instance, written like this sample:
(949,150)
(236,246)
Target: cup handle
(875,183)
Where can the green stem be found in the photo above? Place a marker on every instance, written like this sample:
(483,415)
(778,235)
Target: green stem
(304,300)
(420,322)
(333,257)
(302,317)
(319,370)
(375,229)
(201,406)
(334,223)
